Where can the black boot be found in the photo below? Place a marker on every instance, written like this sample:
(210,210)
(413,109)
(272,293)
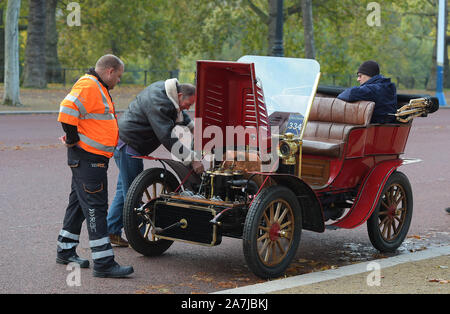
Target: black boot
(84,263)
(115,271)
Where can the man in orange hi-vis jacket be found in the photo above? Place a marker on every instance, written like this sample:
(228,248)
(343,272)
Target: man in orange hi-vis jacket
(89,120)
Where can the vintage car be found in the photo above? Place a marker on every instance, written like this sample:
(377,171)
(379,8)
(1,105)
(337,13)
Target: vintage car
(286,156)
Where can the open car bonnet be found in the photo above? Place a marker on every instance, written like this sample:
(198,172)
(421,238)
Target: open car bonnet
(252,92)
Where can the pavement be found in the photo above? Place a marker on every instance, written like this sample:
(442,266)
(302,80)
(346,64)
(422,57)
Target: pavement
(421,272)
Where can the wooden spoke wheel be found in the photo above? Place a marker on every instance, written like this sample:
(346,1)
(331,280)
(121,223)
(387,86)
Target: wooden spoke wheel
(389,223)
(146,187)
(272,231)
(392,214)
(275,234)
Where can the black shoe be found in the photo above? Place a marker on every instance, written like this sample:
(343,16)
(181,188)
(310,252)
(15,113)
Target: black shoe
(115,271)
(84,263)
(447,210)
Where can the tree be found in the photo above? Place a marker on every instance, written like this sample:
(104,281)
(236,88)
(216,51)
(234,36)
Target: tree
(308,29)
(51,45)
(35,62)
(11,96)
(269,18)
(174,33)
(2,43)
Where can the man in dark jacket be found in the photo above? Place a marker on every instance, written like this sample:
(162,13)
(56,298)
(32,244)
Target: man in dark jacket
(374,87)
(146,125)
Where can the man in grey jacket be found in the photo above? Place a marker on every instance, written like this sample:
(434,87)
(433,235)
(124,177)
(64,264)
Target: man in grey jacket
(146,125)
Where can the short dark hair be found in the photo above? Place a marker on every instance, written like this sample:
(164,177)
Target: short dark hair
(186,89)
(109,61)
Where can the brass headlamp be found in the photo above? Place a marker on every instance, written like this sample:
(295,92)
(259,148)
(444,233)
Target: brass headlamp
(288,148)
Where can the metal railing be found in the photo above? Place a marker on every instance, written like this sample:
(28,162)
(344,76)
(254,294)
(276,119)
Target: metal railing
(347,80)
(68,76)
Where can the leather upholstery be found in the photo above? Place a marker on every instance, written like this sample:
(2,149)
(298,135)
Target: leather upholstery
(330,122)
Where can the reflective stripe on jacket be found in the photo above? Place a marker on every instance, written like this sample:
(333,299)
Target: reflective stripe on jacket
(89,107)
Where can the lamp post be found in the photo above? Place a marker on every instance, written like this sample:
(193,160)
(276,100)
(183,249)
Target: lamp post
(440,54)
(277,49)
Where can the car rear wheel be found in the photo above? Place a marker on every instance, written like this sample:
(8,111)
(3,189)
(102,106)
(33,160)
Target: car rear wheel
(146,187)
(389,223)
(272,232)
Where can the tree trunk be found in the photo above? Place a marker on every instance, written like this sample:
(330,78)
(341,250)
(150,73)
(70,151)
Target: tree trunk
(2,45)
(12,88)
(270,19)
(272,23)
(35,63)
(53,66)
(308,29)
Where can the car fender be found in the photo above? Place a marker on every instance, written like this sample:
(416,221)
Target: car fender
(370,192)
(187,177)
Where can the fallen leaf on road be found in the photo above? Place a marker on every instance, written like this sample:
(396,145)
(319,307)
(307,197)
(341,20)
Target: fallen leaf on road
(415,237)
(442,281)
(158,289)
(379,255)
(241,279)
(224,284)
(417,250)
(202,277)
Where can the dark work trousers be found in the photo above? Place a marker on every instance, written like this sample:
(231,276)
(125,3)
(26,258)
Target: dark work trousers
(88,201)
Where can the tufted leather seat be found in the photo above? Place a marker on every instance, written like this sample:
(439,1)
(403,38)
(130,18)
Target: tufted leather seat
(330,122)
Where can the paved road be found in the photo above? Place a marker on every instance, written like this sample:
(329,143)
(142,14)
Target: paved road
(34,187)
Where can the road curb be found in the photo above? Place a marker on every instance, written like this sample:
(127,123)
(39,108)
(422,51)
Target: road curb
(311,278)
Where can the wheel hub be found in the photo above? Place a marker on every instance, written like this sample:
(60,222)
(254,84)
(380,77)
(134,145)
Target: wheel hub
(274,232)
(392,210)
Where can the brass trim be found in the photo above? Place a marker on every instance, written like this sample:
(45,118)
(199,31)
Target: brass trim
(299,161)
(311,101)
(305,122)
(212,185)
(196,207)
(204,201)
(184,223)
